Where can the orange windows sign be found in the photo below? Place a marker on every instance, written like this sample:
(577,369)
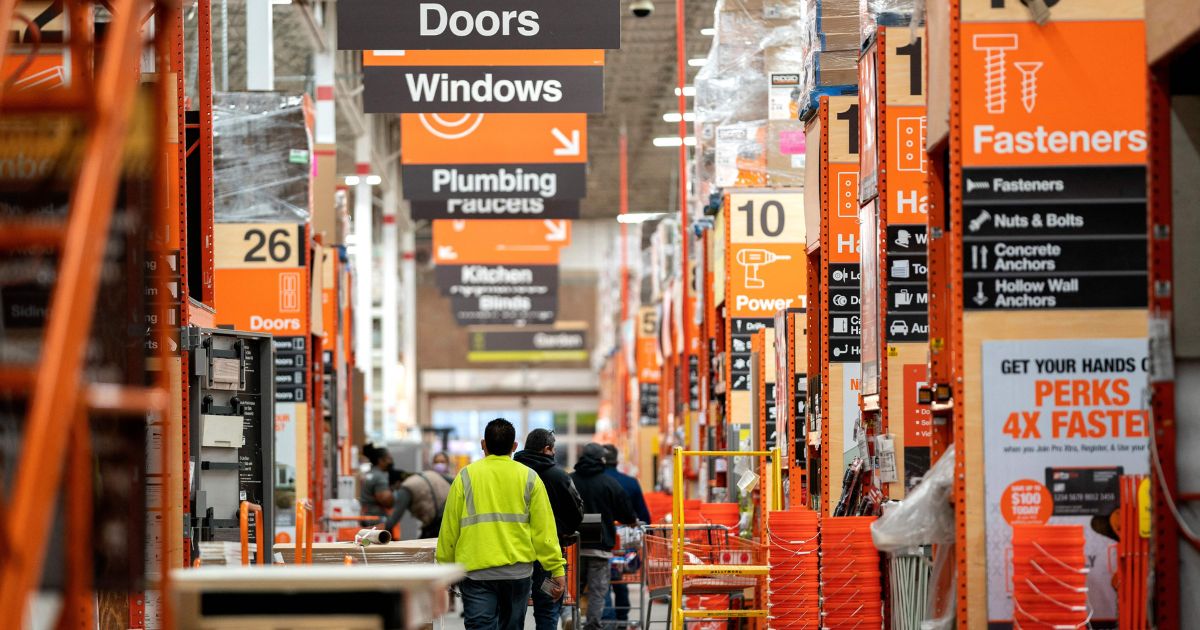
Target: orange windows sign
(1067,93)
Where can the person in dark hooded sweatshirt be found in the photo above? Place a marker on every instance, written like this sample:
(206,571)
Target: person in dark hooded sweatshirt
(601,495)
(568,514)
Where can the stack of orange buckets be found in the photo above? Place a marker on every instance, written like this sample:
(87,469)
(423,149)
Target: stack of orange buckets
(794,599)
(727,514)
(851,584)
(1049,576)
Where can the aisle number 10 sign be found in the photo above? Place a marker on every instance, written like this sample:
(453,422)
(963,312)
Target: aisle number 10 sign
(766,252)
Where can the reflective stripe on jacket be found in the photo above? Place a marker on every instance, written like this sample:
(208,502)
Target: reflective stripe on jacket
(498,514)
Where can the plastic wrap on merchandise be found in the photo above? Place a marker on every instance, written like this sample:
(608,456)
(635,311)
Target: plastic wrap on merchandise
(261,158)
(741,154)
(875,13)
(831,25)
(925,516)
(828,73)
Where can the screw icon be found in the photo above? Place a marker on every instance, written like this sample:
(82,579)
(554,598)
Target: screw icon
(994,47)
(1029,85)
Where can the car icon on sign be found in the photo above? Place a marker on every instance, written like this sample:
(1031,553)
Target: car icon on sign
(898,327)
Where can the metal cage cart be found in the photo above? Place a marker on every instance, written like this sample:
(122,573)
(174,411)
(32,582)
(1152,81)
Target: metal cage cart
(570,600)
(628,570)
(706,545)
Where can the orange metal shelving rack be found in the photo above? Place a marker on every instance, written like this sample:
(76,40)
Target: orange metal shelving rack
(55,448)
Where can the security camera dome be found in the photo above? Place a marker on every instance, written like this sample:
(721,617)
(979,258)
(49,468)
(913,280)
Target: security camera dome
(641,8)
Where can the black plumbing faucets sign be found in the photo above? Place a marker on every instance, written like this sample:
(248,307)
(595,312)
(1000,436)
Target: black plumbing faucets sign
(479,24)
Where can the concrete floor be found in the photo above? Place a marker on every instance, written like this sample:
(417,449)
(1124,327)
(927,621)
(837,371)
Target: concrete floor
(454,620)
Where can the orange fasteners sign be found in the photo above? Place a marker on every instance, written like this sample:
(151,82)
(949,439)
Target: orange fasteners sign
(1023,86)
(493,138)
(502,241)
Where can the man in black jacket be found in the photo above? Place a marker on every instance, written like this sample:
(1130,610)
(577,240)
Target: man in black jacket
(601,495)
(568,513)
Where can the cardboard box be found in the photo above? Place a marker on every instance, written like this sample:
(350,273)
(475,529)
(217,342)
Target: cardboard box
(324,186)
(836,33)
(785,73)
(741,157)
(786,148)
(835,67)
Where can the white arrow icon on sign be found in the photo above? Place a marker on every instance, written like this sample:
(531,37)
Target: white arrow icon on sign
(570,146)
(980,297)
(556,230)
(446,252)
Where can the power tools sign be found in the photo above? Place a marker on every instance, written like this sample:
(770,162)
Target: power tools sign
(766,234)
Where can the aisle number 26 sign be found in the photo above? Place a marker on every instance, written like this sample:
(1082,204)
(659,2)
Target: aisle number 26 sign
(766,253)
(262,283)
(247,245)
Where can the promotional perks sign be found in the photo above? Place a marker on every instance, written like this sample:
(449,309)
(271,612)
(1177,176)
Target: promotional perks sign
(1063,420)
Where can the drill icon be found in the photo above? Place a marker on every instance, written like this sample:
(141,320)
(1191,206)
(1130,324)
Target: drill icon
(752,260)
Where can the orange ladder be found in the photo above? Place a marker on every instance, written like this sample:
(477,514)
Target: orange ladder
(55,447)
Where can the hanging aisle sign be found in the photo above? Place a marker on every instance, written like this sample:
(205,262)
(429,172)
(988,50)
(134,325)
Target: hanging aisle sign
(478,24)
(483,81)
(457,156)
(500,208)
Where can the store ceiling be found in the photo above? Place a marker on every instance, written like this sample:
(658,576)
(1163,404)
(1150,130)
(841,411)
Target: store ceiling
(639,88)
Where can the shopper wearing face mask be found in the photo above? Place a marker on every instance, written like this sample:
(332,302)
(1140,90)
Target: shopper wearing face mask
(441,465)
(423,495)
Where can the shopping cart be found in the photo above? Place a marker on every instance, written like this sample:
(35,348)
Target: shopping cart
(627,571)
(706,545)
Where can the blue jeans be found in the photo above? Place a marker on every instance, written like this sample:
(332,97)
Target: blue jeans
(494,604)
(620,612)
(545,609)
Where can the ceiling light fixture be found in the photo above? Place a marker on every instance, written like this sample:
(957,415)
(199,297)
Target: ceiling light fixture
(708,32)
(640,217)
(688,90)
(673,117)
(352,180)
(698,62)
(374,180)
(673,141)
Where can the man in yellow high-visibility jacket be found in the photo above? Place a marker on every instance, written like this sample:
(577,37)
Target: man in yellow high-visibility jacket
(497,523)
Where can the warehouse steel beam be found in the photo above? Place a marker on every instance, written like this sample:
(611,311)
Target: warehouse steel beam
(260,46)
(389,316)
(364,246)
(408,283)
